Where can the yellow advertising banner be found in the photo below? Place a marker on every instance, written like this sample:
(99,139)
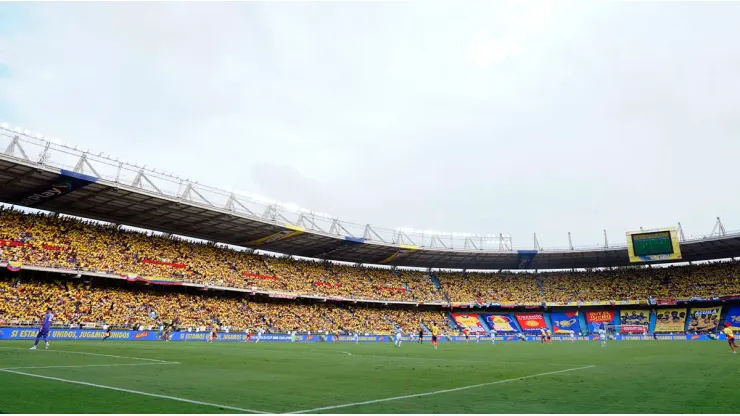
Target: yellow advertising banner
(704,319)
(670,320)
(634,317)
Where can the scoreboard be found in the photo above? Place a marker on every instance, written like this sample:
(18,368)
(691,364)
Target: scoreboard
(654,245)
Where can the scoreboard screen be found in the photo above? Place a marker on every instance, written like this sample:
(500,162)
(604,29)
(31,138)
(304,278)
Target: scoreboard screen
(654,245)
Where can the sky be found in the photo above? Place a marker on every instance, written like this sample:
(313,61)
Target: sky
(488,117)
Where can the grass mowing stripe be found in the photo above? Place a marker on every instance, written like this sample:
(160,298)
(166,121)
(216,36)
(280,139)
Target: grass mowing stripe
(81,366)
(96,354)
(431,393)
(100,386)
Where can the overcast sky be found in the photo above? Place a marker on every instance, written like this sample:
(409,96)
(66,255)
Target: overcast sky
(512,117)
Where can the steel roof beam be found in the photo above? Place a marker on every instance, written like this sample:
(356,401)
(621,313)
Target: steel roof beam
(14,145)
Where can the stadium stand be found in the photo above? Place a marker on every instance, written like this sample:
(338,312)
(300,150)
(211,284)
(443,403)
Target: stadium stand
(77,303)
(69,243)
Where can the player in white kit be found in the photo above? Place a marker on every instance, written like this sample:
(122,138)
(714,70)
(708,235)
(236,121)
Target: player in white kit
(572,336)
(356,338)
(493,336)
(397,341)
(602,337)
(259,335)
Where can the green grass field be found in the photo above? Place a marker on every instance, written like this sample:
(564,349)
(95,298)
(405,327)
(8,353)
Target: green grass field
(624,377)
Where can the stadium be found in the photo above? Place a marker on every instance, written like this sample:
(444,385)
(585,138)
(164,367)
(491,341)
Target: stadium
(127,289)
(331,308)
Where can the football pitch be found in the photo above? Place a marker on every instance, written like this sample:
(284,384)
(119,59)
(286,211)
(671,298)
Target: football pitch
(197,377)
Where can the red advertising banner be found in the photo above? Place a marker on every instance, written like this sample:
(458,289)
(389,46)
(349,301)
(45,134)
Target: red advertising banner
(632,329)
(600,316)
(470,321)
(21,244)
(531,321)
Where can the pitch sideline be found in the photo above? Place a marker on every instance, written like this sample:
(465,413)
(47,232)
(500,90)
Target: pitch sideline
(143,393)
(95,354)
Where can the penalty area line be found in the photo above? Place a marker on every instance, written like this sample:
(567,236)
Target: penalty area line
(142,393)
(431,393)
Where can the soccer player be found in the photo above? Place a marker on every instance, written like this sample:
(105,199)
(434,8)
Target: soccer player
(106,328)
(397,341)
(727,331)
(44,330)
(548,333)
(602,336)
(435,334)
(356,337)
(293,337)
(477,338)
(543,336)
(493,336)
(572,336)
(260,331)
(421,335)
(214,334)
(467,335)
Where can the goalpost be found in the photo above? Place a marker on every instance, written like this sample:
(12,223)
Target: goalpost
(614,330)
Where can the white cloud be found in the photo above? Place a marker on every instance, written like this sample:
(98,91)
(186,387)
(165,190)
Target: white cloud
(489,117)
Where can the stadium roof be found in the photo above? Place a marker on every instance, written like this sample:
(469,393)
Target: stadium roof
(45,175)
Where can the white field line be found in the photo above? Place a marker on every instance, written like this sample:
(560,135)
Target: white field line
(95,354)
(159,396)
(431,393)
(81,366)
(403,357)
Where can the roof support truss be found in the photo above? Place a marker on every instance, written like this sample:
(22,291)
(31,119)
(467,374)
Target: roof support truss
(369,233)
(139,180)
(233,202)
(82,162)
(14,145)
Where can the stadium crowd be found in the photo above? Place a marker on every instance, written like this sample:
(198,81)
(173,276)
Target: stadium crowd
(70,243)
(77,303)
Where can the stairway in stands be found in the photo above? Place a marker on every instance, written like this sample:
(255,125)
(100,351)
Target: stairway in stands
(541,286)
(437,284)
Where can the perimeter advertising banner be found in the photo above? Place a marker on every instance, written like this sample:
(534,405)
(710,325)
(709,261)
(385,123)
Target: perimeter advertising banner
(633,321)
(123,335)
(670,320)
(564,322)
(531,321)
(470,321)
(501,323)
(704,319)
(600,319)
(733,318)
